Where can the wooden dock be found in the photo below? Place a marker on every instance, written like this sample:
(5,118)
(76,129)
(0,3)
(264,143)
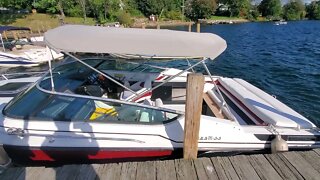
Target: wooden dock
(289,165)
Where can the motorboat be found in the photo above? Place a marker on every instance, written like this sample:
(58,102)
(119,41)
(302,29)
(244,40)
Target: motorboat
(111,109)
(281,22)
(24,52)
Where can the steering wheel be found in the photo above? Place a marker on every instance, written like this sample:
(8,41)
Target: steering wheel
(107,84)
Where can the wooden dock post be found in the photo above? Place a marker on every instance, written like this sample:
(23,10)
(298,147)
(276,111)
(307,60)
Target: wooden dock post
(198,27)
(5,35)
(39,32)
(195,84)
(189,26)
(31,32)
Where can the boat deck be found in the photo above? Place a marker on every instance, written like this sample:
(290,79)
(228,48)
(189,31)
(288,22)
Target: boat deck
(289,165)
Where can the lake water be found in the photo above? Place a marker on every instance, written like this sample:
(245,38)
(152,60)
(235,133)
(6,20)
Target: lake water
(282,60)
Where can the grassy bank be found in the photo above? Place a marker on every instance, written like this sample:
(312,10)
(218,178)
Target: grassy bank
(40,21)
(44,22)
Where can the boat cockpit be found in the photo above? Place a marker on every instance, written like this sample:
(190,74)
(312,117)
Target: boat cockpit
(78,93)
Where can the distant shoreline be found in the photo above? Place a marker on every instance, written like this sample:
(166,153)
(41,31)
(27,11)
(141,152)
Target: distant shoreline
(223,21)
(153,24)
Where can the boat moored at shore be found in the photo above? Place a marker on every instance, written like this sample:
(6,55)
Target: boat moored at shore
(110,109)
(24,52)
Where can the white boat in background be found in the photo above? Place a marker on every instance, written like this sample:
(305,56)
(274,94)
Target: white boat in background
(281,22)
(109,109)
(25,53)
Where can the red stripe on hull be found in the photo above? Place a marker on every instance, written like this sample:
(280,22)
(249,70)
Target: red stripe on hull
(128,154)
(140,98)
(41,155)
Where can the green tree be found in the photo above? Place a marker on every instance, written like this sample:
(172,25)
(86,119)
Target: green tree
(294,10)
(199,9)
(270,8)
(16,4)
(132,8)
(124,18)
(98,9)
(47,6)
(148,7)
(83,5)
(313,10)
(238,8)
(157,7)
(253,13)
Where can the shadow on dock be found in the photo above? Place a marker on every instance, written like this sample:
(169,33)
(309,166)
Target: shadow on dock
(289,165)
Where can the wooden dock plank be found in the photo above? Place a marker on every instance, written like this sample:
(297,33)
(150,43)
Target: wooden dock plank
(289,165)
(205,169)
(67,172)
(109,172)
(48,174)
(317,151)
(87,171)
(146,170)
(100,170)
(165,170)
(304,168)
(32,173)
(263,168)
(219,169)
(185,169)
(313,158)
(283,167)
(128,171)
(228,168)
(12,173)
(243,167)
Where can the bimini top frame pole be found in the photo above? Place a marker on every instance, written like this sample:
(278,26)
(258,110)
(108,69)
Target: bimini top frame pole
(224,103)
(4,49)
(166,81)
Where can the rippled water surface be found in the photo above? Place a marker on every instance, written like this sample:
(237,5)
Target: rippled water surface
(282,60)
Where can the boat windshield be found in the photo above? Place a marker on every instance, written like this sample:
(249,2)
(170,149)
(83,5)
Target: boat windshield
(109,63)
(13,88)
(35,104)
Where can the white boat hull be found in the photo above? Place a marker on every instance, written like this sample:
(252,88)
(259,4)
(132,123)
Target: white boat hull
(28,58)
(56,136)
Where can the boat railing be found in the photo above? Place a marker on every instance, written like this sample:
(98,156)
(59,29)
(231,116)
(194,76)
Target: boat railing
(103,99)
(7,76)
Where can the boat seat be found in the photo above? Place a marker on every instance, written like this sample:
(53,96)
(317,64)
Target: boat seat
(154,115)
(261,106)
(138,87)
